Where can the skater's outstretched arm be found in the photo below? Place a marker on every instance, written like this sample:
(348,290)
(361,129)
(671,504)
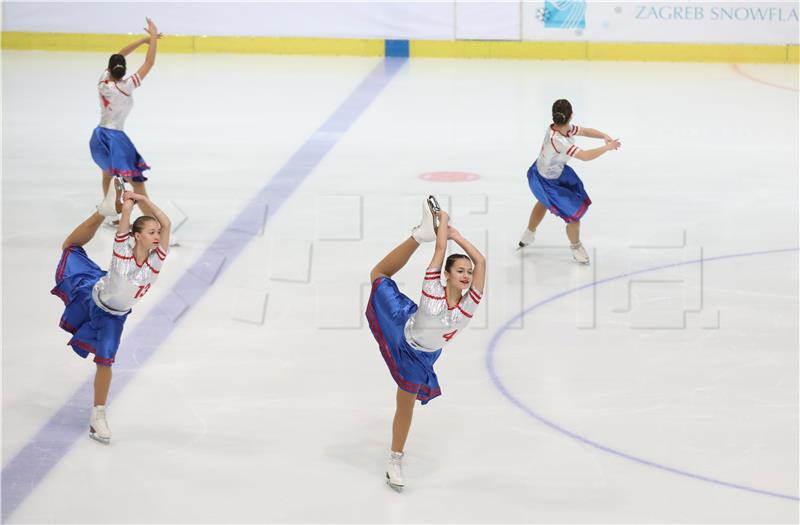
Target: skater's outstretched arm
(591,154)
(479,272)
(152,40)
(594,134)
(441,241)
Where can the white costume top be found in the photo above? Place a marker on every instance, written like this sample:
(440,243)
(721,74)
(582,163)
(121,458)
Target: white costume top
(557,149)
(116,99)
(126,281)
(436,322)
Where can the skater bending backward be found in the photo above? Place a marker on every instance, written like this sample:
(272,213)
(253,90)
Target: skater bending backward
(97,303)
(555,185)
(411,337)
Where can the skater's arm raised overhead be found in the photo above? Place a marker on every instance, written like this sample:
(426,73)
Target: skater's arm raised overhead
(160,216)
(130,48)
(150,59)
(591,154)
(479,271)
(124,225)
(441,241)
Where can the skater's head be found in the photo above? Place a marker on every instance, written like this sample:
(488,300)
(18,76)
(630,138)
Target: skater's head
(146,231)
(117,66)
(458,271)
(562,112)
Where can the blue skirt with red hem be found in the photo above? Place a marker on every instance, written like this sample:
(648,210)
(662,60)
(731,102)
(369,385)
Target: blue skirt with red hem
(94,331)
(116,155)
(563,196)
(387,312)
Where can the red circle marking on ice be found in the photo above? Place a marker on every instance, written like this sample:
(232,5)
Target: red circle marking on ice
(449,176)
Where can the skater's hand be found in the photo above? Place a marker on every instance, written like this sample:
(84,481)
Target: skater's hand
(613,144)
(133,197)
(151,29)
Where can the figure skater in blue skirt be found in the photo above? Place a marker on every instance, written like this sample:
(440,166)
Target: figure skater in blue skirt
(97,303)
(555,185)
(411,337)
(110,146)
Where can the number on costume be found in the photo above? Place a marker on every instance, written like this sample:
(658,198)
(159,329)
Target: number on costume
(142,290)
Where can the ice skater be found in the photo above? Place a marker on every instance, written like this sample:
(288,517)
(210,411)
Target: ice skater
(111,148)
(555,185)
(97,303)
(411,337)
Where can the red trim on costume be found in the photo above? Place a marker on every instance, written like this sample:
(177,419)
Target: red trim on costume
(134,261)
(429,296)
(572,150)
(474,296)
(137,82)
(553,144)
(68,327)
(575,216)
(118,89)
(463,312)
(455,305)
(129,173)
(61,295)
(153,269)
(105,361)
(160,253)
(63,263)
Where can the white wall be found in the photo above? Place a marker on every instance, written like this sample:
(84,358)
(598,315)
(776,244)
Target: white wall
(695,21)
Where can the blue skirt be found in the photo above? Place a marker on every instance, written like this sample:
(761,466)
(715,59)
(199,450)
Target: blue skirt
(116,155)
(412,369)
(93,329)
(563,196)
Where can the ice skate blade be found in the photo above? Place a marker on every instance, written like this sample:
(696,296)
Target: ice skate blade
(581,263)
(396,488)
(521,245)
(104,441)
(433,204)
(119,185)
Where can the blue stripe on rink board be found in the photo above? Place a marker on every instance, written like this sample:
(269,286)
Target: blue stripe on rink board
(396,48)
(495,377)
(49,445)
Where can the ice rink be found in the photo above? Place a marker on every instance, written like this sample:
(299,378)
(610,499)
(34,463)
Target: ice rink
(658,384)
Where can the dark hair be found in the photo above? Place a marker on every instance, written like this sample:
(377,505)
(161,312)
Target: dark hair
(117,66)
(562,111)
(139,224)
(453,258)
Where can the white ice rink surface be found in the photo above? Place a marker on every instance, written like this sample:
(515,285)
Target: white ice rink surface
(667,395)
